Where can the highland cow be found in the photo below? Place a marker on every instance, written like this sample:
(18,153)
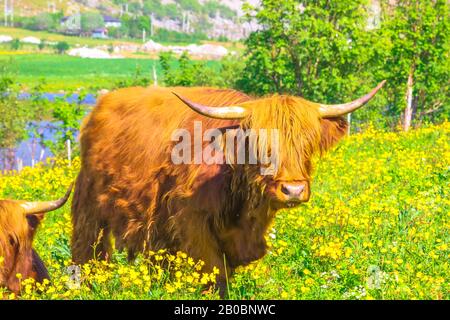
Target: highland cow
(18,224)
(129,187)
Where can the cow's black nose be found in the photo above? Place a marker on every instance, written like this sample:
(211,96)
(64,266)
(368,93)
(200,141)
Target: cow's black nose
(293,190)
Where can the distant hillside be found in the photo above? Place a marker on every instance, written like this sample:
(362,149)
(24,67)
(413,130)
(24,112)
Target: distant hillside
(216,18)
(34,7)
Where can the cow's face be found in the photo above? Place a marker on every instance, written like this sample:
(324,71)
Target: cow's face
(304,129)
(16,238)
(302,134)
(18,224)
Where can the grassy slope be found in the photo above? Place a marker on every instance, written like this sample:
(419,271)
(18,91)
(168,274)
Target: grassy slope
(33,7)
(55,37)
(66,72)
(377,226)
(86,41)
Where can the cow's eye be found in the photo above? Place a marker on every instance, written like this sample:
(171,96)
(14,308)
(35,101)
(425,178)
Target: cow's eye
(13,241)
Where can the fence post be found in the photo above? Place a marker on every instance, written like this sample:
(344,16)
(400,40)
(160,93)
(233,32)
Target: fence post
(19,164)
(69,152)
(349,120)
(155,76)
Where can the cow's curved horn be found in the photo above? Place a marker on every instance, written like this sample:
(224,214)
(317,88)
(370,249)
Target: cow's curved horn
(45,206)
(336,110)
(230,112)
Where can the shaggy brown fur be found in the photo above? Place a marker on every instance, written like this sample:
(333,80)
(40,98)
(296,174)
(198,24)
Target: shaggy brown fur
(128,186)
(17,230)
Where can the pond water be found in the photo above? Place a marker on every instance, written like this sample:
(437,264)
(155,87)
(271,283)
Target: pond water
(31,151)
(88,99)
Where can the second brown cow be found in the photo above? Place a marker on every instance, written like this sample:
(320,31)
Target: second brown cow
(18,224)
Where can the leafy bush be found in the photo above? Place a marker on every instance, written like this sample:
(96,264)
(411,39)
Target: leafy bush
(329,54)
(211,8)
(91,21)
(15,44)
(186,72)
(67,116)
(164,35)
(138,79)
(42,21)
(13,118)
(61,47)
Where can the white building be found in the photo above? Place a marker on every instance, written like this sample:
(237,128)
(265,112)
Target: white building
(111,22)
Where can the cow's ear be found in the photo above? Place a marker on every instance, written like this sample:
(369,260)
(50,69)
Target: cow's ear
(34,219)
(333,129)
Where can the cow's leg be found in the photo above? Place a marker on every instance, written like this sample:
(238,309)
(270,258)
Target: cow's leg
(199,242)
(119,228)
(39,269)
(91,234)
(90,240)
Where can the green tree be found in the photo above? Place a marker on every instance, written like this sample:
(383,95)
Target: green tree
(317,49)
(166,60)
(44,21)
(323,50)
(171,11)
(231,68)
(13,118)
(15,44)
(116,32)
(144,24)
(211,7)
(41,44)
(68,115)
(133,26)
(186,72)
(152,6)
(135,8)
(417,64)
(139,79)
(61,47)
(39,109)
(91,21)
(190,5)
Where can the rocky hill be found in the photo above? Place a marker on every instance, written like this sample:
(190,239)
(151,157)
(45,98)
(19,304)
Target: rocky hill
(216,18)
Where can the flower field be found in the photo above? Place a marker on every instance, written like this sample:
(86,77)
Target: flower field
(376,227)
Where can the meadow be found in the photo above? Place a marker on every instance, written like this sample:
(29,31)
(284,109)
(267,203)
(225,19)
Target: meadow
(54,72)
(376,227)
(62,72)
(19,33)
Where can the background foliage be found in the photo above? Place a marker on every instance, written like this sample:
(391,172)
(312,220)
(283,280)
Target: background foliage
(329,51)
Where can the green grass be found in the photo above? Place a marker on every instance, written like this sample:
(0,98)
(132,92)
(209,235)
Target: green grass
(65,72)
(62,72)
